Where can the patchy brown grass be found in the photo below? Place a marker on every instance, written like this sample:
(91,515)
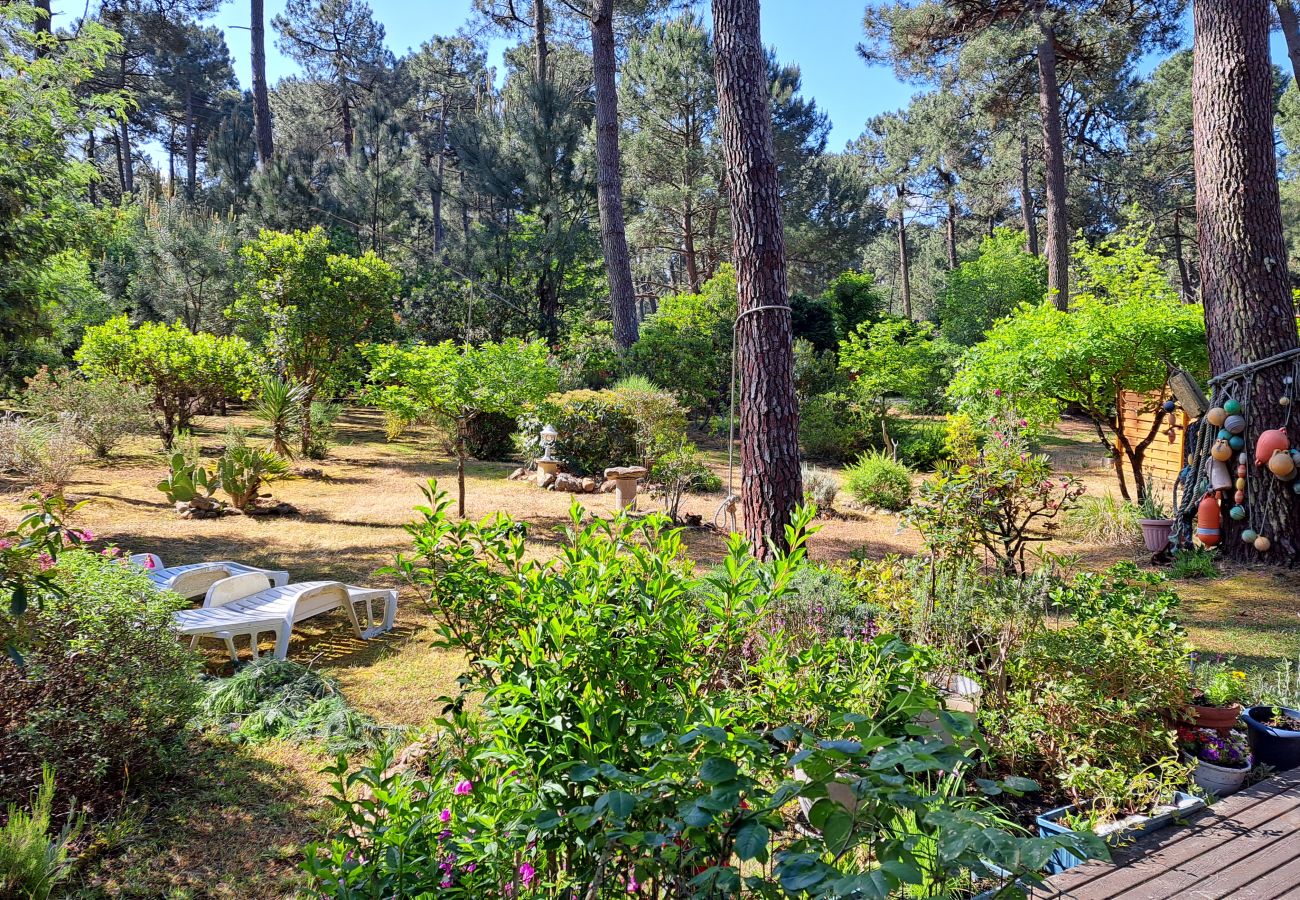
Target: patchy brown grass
(233,821)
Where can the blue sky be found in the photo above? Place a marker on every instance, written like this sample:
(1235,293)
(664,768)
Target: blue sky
(820,35)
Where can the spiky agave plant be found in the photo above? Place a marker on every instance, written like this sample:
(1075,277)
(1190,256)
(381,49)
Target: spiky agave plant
(280,406)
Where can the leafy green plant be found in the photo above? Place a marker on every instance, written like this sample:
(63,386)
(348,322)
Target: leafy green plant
(1219,683)
(45,452)
(322,416)
(596,430)
(243,470)
(983,290)
(833,428)
(188,480)
(33,861)
(1194,562)
(877,480)
(675,473)
(103,412)
(820,488)
(921,444)
(280,407)
(660,419)
(1103,520)
(105,689)
(273,698)
(899,358)
(1153,505)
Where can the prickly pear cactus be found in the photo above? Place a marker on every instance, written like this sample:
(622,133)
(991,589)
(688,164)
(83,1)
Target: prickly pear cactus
(187,481)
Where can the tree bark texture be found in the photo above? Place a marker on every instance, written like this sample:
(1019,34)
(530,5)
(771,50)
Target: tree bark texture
(904,259)
(261,95)
(1290,20)
(609,177)
(769,412)
(1058,224)
(1027,215)
(191,146)
(1249,313)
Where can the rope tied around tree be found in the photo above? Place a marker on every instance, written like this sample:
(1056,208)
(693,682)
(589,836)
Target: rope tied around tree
(1194,482)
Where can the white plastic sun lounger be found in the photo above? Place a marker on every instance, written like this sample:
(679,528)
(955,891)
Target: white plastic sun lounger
(194,579)
(244,605)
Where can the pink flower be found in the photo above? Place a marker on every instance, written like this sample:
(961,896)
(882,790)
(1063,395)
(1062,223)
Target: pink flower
(632,885)
(445,815)
(6,543)
(47,562)
(997,392)
(470,867)
(148,562)
(463,787)
(526,873)
(446,882)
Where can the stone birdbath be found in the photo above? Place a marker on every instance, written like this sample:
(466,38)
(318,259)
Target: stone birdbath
(625,479)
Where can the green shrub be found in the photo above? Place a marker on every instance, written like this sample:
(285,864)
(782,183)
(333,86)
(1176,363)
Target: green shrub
(899,358)
(983,290)
(490,435)
(877,480)
(921,444)
(660,419)
(273,698)
(596,430)
(106,689)
(1104,520)
(816,371)
(279,406)
(685,347)
(33,862)
(831,429)
(678,471)
(103,412)
(589,357)
(1193,563)
(322,415)
(820,488)
(43,451)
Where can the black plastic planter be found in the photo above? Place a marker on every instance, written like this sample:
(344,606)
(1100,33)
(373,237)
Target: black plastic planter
(1276,747)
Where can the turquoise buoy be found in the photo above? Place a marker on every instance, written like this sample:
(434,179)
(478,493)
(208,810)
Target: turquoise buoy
(1224,434)
(1236,442)
(1238,512)
(1249,535)
(1232,406)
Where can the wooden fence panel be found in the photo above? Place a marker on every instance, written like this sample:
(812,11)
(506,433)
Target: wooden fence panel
(1164,458)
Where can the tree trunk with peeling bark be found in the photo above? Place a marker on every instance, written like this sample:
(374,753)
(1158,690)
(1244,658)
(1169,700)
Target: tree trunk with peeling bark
(1027,216)
(261,95)
(1058,224)
(1290,21)
(1249,312)
(769,412)
(609,177)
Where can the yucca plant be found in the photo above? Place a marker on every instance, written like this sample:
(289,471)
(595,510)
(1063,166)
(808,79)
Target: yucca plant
(280,406)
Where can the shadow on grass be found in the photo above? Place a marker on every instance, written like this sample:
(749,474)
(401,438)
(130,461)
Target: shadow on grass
(231,821)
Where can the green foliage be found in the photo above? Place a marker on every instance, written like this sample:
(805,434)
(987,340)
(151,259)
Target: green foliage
(1193,563)
(1220,683)
(898,358)
(660,419)
(43,451)
(490,435)
(106,689)
(815,371)
(34,861)
(104,411)
(820,488)
(854,301)
(813,321)
(921,444)
(596,430)
(1001,502)
(877,480)
(280,408)
(1125,327)
(1093,700)
(686,346)
(28,553)
(590,358)
(185,264)
(627,726)
(243,470)
(980,292)
(1104,520)
(277,699)
(833,428)
(319,436)
(180,372)
(188,480)
(676,472)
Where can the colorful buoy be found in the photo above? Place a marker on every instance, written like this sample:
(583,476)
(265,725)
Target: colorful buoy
(1235,424)
(1249,536)
(1170,406)
(1236,442)
(1238,512)
(1217,416)
(1224,434)
(1208,521)
(1232,407)
(1262,544)
(1270,442)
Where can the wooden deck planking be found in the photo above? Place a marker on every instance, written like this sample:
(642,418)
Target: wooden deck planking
(1247,846)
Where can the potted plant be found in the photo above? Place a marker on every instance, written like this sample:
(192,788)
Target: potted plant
(1273,733)
(1155,521)
(1219,692)
(1122,805)
(1222,761)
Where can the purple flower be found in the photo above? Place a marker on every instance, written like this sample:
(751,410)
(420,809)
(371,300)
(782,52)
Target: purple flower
(526,873)
(463,787)
(445,815)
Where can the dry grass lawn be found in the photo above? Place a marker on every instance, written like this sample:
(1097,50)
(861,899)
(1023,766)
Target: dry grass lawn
(233,820)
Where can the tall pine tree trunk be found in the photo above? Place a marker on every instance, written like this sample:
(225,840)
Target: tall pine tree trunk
(1290,20)
(345,117)
(1027,216)
(126,168)
(769,413)
(1249,313)
(191,145)
(1058,224)
(261,94)
(950,235)
(609,178)
(904,257)
(688,246)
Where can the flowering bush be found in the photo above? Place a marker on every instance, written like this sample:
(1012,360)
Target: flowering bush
(1217,684)
(1207,745)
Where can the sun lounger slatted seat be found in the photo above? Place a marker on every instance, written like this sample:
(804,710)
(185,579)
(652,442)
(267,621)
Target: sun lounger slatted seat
(242,605)
(194,579)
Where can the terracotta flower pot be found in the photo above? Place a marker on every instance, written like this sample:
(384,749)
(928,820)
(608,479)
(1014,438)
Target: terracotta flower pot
(1155,533)
(1220,718)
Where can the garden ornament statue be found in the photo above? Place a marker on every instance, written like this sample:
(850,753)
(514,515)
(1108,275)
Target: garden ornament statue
(547,466)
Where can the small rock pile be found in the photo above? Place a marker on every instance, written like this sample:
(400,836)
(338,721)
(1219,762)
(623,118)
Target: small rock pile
(563,481)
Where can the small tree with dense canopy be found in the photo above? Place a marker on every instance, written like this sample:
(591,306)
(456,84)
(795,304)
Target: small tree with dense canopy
(989,287)
(179,372)
(1127,326)
(449,385)
(310,306)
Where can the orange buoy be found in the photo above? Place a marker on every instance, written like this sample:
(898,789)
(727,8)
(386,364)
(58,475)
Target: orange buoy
(1221,451)
(1270,442)
(1281,464)
(1208,520)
